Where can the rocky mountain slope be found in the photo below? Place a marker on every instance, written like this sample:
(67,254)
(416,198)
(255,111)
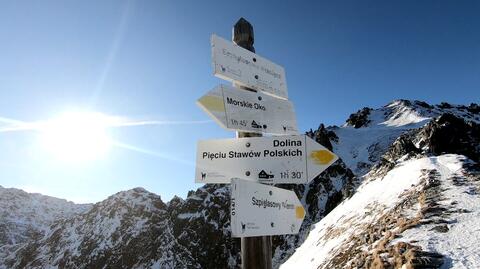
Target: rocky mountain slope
(393,153)
(416,207)
(421,214)
(25,217)
(367,134)
(131,229)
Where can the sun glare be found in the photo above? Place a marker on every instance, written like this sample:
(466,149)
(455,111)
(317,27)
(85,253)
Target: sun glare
(77,136)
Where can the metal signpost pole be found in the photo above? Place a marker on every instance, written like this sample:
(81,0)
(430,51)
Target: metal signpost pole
(256,251)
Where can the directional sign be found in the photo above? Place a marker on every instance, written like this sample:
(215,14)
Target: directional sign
(236,64)
(249,111)
(278,159)
(258,209)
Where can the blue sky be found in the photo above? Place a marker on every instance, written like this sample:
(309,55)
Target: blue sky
(150,60)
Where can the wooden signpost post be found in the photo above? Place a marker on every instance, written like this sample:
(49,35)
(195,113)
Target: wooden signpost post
(256,104)
(256,251)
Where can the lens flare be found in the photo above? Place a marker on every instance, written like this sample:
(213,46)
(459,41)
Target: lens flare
(77,136)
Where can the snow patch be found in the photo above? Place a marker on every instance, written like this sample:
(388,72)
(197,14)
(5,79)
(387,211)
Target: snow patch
(365,206)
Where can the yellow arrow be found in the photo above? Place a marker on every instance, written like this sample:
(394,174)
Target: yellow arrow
(299,212)
(322,157)
(212,103)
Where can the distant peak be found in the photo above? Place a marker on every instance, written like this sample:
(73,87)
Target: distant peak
(139,189)
(411,113)
(135,192)
(136,195)
(409,103)
(399,102)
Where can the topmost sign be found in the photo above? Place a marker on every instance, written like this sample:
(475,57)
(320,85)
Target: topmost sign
(239,65)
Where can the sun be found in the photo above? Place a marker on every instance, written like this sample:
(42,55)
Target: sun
(77,136)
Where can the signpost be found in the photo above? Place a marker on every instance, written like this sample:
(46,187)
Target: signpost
(294,159)
(256,251)
(256,104)
(234,63)
(249,111)
(258,209)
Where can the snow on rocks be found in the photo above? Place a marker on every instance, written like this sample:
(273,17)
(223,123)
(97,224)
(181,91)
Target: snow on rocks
(456,234)
(29,216)
(365,206)
(20,211)
(367,134)
(130,229)
(417,203)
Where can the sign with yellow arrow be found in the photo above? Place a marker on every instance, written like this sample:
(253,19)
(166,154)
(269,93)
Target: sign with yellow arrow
(258,209)
(247,111)
(279,159)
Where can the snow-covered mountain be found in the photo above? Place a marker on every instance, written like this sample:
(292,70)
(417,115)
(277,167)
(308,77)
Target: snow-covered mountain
(423,213)
(367,134)
(419,204)
(408,171)
(130,229)
(25,217)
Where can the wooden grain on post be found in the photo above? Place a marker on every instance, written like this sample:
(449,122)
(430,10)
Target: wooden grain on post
(256,251)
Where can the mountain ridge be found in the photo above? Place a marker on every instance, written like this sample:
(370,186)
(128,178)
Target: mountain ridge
(196,230)
(380,225)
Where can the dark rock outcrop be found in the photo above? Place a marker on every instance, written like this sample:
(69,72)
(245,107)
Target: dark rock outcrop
(202,224)
(323,136)
(474,108)
(360,118)
(446,134)
(451,134)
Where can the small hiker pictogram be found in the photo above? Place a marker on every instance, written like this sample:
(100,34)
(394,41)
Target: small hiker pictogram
(256,125)
(264,175)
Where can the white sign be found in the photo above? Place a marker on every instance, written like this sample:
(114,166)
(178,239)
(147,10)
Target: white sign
(244,110)
(236,64)
(258,209)
(279,159)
